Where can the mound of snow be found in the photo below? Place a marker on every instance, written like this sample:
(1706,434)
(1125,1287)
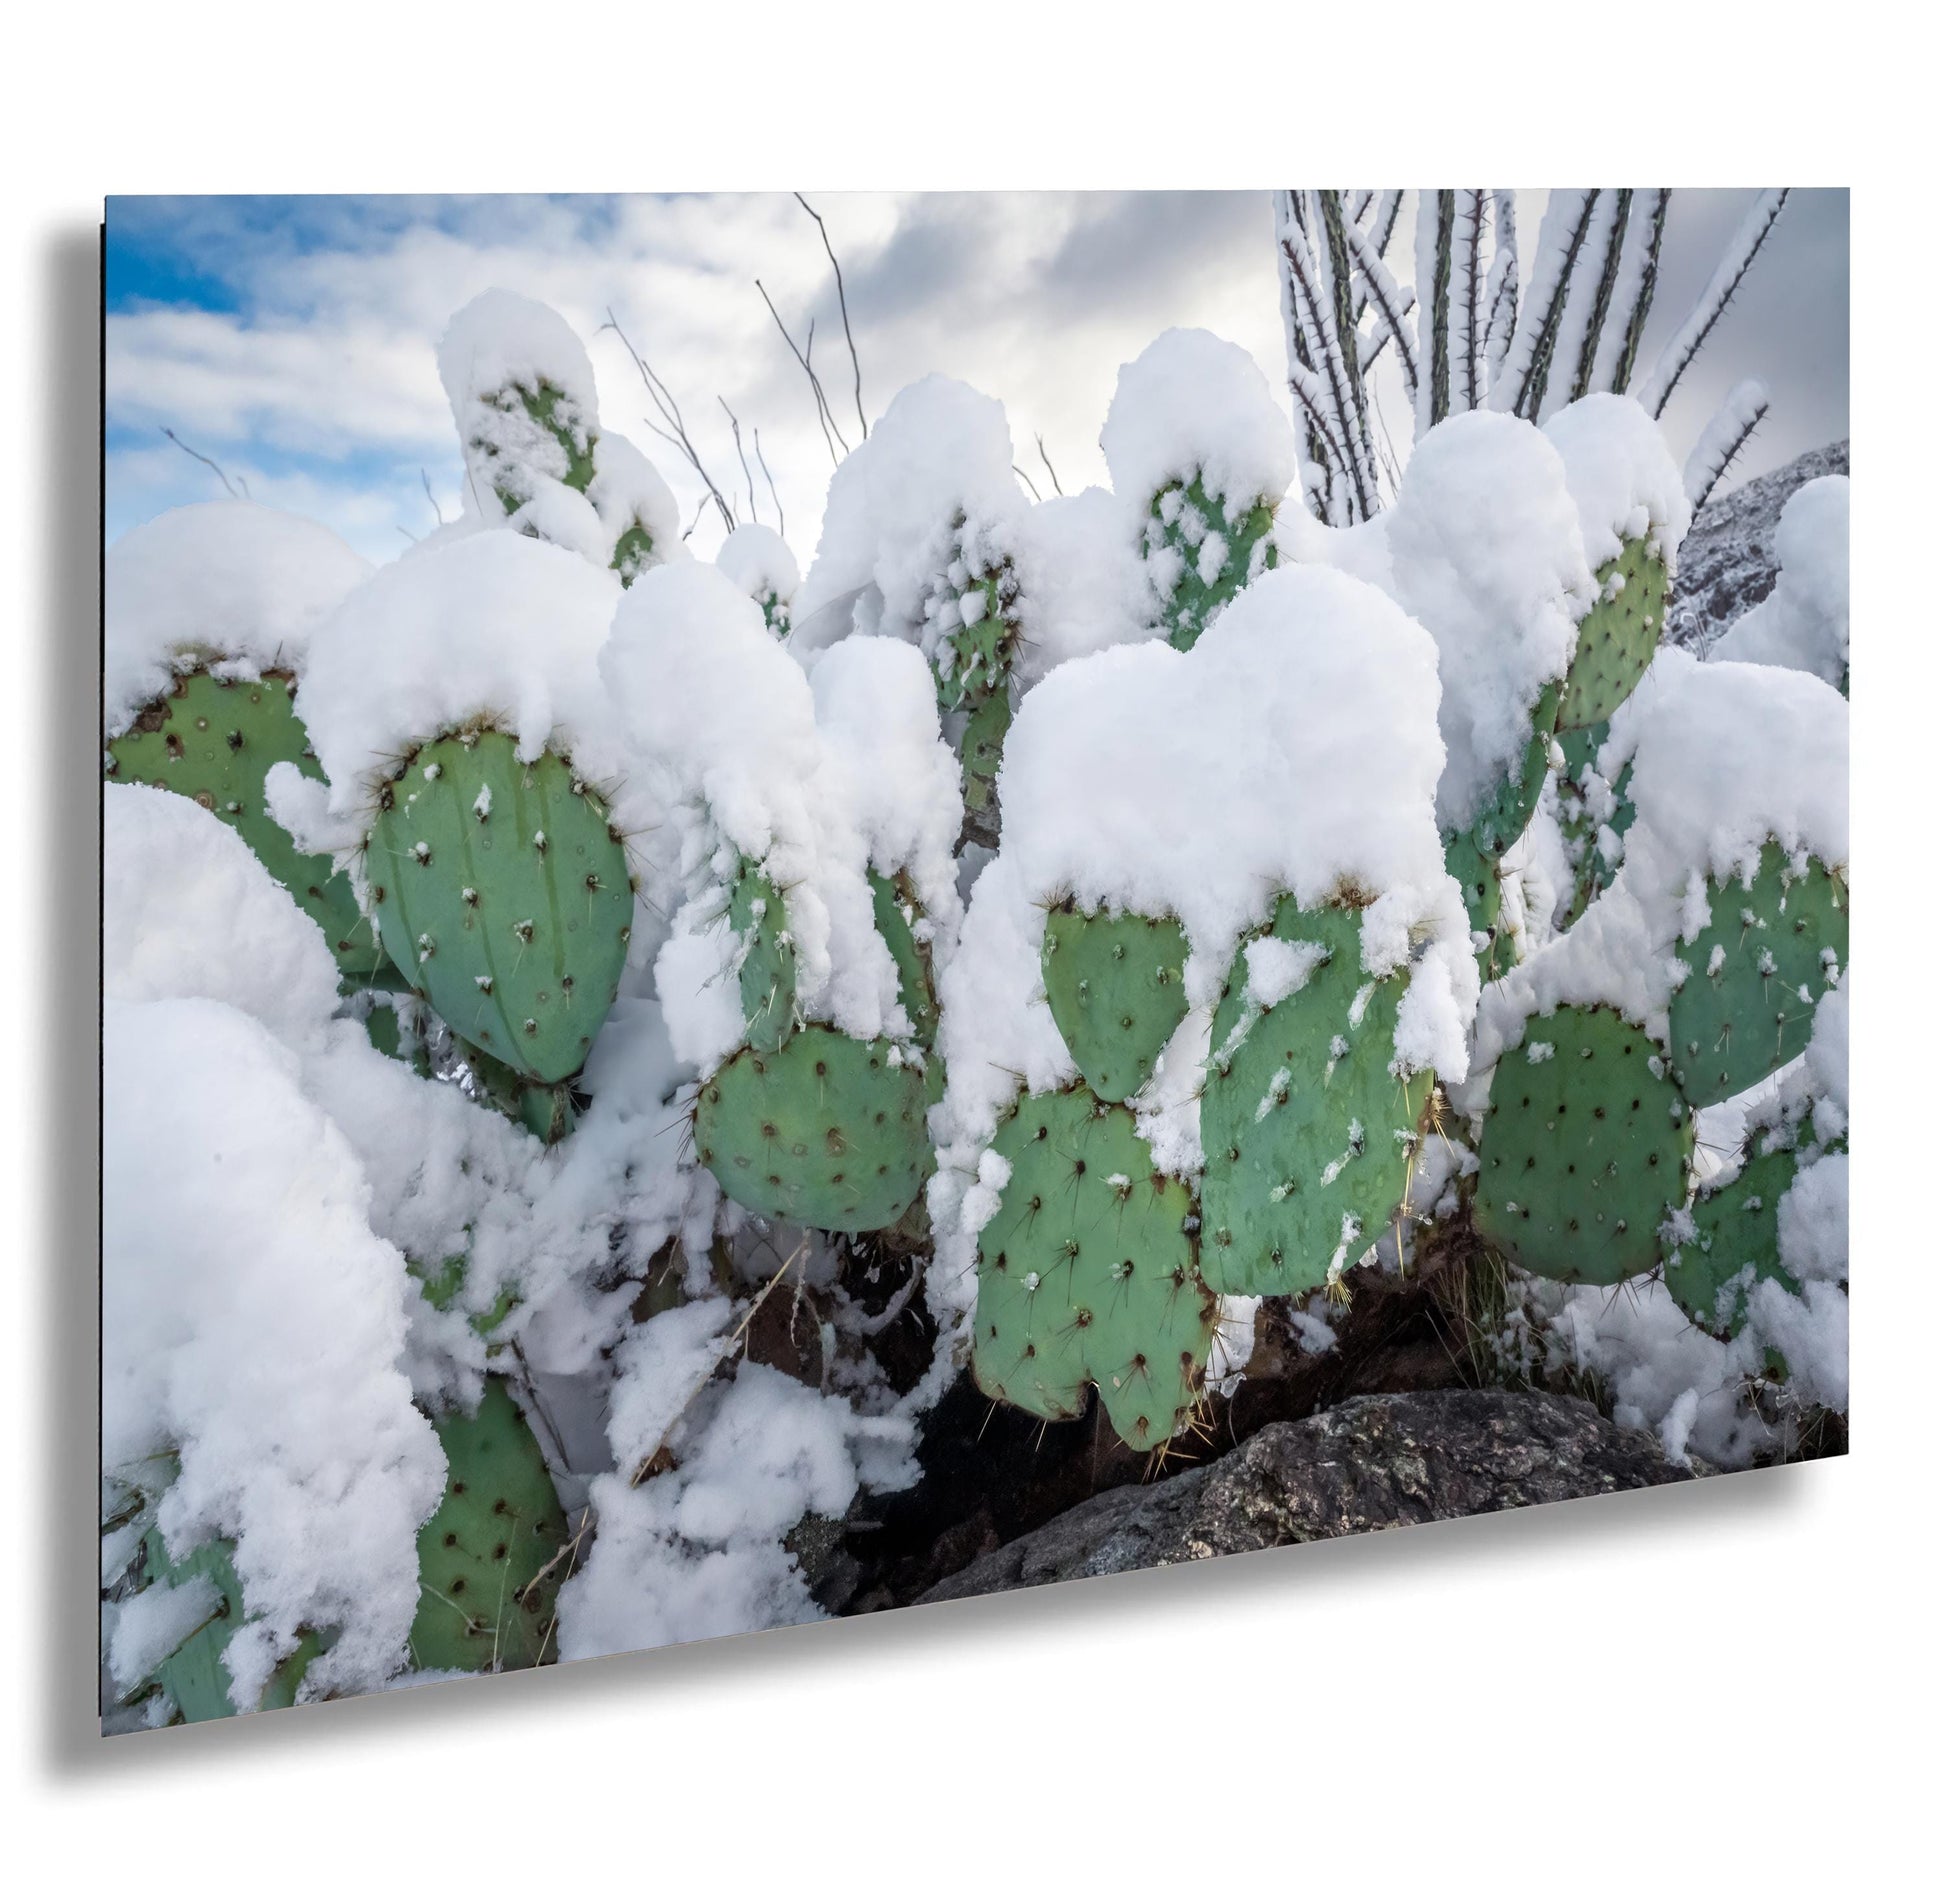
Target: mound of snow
(232,585)
(1192,405)
(253,1324)
(1805,621)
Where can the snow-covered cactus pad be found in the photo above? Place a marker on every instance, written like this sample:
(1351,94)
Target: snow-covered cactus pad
(523,396)
(1595,812)
(1730,1246)
(1087,1271)
(1634,515)
(1775,943)
(1197,447)
(208,614)
(215,740)
(921,525)
(1308,1131)
(493,1555)
(760,562)
(1114,986)
(1585,1149)
(1762,1256)
(190,1676)
(504,896)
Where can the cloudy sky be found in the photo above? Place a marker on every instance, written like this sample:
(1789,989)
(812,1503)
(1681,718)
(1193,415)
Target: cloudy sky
(292,339)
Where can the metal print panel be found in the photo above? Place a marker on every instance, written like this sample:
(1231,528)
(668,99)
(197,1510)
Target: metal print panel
(812,904)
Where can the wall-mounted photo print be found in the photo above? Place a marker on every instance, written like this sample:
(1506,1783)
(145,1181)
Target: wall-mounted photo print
(820,902)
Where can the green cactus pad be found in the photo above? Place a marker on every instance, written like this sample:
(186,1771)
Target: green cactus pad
(1088,1272)
(1478,876)
(1308,1134)
(194,1679)
(214,740)
(491,1559)
(505,897)
(1503,817)
(1184,520)
(982,743)
(1114,986)
(1594,863)
(1734,1247)
(634,551)
(443,1286)
(828,1132)
(895,909)
(1584,1151)
(768,976)
(1618,637)
(1766,957)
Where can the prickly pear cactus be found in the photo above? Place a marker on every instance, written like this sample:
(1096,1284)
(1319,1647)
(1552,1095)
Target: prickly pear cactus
(1478,876)
(1732,1247)
(193,1679)
(1618,636)
(493,1555)
(521,432)
(443,1285)
(896,913)
(825,1131)
(973,629)
(1087,1271)
(214,740)
(1769,953)
(767,977)
(1114,986)
(1595,816)
(504,896)
(1584,1151)
(1308,1133)
(1214,555)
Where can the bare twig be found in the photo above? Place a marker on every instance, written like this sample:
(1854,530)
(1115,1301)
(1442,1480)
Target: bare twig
(701,506)
(803,358)
(1028,481)
(229,487)
(844,314)
(757,444)
(677,435)
(736,432)
(1049,462)
(426,484)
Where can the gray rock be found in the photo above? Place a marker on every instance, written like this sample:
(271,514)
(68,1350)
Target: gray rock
(1726,564)
(1371,1463)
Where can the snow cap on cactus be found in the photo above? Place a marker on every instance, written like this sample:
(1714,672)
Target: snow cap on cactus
(1190,407)
(318,1465)
(815,782)
(1084,579)
(492,626)
(941,453)
(760,563)
(1805,621)
(1625,484)
(235,586)
(1485,553)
